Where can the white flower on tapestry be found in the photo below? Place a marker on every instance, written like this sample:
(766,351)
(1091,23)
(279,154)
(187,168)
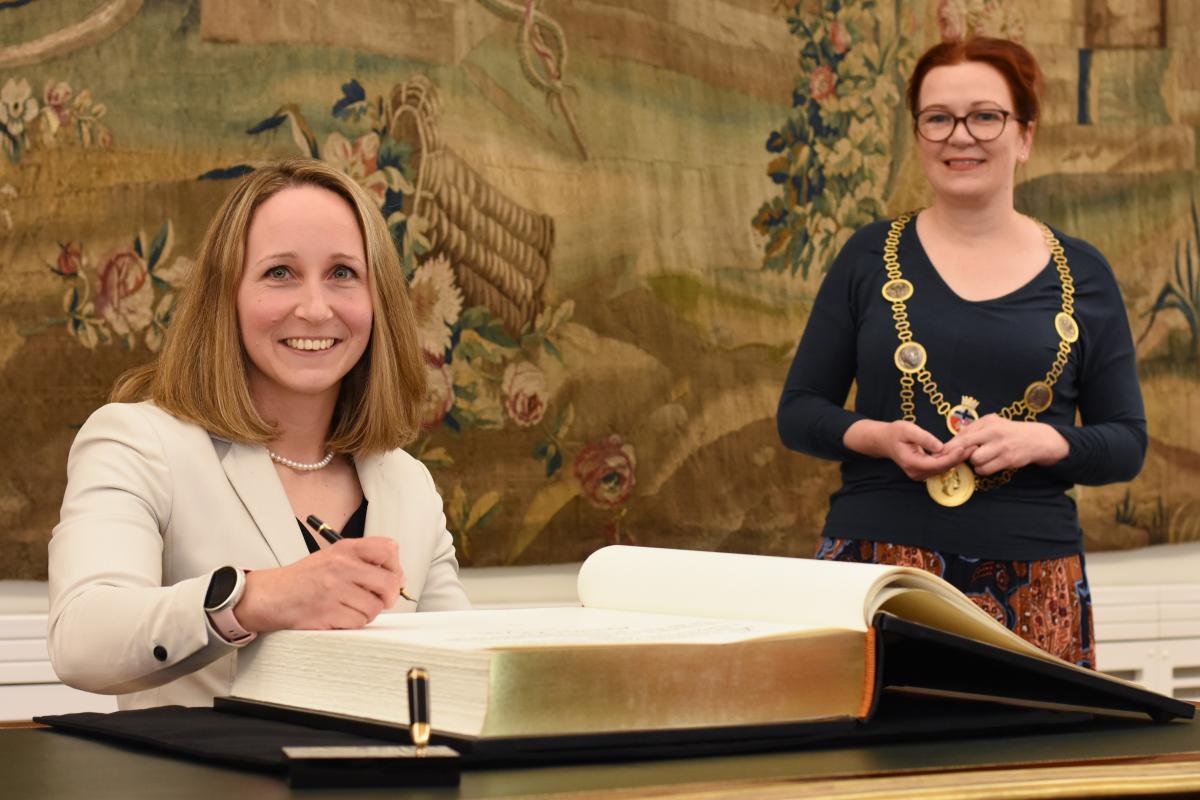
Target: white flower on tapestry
(360,160)
(87,115)
(524,387)
(17,108)
(17,105)
(162,316)
(437,302)
(176,274)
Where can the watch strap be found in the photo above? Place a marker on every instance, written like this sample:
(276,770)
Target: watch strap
(229,628)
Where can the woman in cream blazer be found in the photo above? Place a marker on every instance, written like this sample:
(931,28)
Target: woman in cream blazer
(270,363)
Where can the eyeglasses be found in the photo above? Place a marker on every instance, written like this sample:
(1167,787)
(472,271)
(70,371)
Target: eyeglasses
(983,124)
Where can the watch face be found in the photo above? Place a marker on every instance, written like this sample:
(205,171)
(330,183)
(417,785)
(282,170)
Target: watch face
(220,587)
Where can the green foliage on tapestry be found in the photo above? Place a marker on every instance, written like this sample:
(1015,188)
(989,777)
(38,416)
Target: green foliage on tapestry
(834,158)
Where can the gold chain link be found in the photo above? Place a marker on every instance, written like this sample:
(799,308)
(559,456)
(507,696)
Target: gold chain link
(891,262)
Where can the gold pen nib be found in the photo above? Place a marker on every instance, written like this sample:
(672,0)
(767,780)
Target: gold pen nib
(420,735)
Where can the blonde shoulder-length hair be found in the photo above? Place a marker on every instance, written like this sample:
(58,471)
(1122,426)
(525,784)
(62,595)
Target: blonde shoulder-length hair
(200,374)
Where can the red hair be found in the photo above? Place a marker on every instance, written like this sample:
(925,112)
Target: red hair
(1015,64)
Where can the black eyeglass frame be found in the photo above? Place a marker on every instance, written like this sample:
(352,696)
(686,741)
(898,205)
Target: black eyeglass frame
(964,119)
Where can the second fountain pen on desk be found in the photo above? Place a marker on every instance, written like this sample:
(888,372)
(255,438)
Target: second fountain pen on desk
(332,536)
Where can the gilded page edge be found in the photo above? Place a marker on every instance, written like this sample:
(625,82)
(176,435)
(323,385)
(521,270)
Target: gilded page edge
(869,675)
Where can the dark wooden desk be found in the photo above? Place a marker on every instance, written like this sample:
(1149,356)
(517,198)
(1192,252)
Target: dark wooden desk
(1124,762)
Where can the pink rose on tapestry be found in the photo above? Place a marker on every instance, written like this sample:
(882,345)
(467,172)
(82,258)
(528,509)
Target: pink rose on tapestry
(56,96)
(360,160)
(439,394)
(125,296)
(953,19)
(822,84)
(605,469)
(839,37)
(524,387)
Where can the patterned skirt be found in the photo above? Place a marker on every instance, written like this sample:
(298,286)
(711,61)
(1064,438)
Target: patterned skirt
(1047,603)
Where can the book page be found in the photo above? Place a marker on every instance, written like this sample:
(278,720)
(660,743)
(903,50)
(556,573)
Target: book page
(553,627)
(825,594)
(924,604)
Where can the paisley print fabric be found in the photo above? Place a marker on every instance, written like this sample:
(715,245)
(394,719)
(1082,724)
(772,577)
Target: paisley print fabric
(1047,603)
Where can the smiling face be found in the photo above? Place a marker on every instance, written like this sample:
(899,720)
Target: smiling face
(962,169)
(304,304)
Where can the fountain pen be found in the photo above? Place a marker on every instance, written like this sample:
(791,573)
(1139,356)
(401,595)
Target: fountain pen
(332,536)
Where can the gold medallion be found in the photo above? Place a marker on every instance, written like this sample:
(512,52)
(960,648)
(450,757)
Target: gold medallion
(1038,396)
(962,415)
(897,291)
(1065,324)
(953,487)
(910,357)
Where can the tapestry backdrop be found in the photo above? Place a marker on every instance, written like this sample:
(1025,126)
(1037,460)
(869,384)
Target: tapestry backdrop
(614,215)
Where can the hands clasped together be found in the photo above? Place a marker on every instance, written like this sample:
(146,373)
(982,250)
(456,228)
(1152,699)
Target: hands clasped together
(345,585)
(988,445)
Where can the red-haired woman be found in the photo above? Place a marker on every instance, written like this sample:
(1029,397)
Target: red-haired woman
(974,334)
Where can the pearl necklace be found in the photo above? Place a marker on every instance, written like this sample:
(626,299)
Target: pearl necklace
(299,467)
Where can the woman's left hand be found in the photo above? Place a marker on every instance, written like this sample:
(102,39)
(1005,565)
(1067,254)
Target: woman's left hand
(992,444)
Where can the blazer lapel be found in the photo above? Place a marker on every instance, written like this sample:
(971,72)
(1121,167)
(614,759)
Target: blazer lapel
(392,511)
(253,477)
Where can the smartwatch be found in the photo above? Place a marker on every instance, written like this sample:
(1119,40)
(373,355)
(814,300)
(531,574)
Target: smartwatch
(225,589)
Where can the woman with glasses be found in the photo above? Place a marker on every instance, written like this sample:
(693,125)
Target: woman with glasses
(993,363)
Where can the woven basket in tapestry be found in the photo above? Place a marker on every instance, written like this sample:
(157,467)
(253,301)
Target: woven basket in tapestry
(499,250)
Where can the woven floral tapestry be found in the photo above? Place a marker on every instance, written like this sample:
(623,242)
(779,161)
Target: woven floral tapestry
(613,215)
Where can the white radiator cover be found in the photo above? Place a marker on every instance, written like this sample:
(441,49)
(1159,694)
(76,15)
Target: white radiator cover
(1146,604)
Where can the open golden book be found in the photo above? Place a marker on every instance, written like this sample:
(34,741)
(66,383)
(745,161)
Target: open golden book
(673,640)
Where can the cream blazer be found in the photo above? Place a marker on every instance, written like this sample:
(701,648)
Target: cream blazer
(153,506)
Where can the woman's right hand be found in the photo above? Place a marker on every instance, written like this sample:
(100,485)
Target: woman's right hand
(345,585)
(915,450)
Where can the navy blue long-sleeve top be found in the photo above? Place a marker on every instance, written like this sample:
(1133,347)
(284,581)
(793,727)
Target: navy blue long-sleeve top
(991,350)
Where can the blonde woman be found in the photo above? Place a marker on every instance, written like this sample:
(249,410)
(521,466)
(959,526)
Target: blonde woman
(286,386)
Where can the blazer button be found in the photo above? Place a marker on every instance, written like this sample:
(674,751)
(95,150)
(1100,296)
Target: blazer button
(160,652)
